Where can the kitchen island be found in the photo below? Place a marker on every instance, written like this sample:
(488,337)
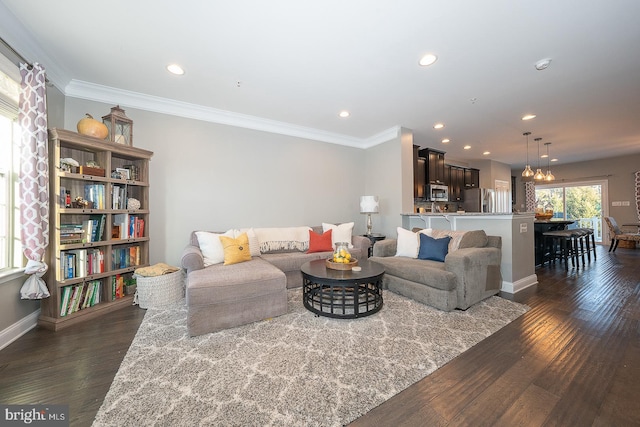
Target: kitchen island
(517,232)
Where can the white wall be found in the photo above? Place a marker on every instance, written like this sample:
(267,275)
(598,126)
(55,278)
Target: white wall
(214,177)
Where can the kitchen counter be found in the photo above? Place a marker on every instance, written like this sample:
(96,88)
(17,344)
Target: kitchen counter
(459,213)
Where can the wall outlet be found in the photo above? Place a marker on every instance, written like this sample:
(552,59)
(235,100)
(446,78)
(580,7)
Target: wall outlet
(625,203)
(616,203)
(523,228)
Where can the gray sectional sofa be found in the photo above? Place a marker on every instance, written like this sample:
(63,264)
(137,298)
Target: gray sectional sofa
(469,273)
(222,296)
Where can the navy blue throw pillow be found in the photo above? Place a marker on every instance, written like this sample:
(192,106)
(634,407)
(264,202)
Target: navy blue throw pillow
(433,249)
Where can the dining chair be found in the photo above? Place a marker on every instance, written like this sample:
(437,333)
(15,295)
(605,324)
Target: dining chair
(617,234)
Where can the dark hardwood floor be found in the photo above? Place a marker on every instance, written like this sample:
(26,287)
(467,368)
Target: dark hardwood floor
(572,360)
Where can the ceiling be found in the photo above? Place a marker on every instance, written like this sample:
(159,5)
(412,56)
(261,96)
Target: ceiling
(295,65)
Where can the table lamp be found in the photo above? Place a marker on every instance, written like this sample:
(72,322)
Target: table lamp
(369,205)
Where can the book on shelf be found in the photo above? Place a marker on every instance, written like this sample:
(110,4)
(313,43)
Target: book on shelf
(74,299)
(119,197)
(77,297)
(93,228)
(122,222)
(129,226)
(117,286)
(64,302)
(81,262)
(71,233)
(67,265)
(95,193)
(125,257)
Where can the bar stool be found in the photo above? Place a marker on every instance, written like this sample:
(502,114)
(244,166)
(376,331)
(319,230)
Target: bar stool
(587,235)
(562,245)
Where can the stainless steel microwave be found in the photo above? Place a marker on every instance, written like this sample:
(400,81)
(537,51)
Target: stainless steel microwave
(438,193)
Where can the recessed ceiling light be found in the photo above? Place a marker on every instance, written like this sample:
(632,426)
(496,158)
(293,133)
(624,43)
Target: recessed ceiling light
(438,126)
(428,59)
(446,140)
(344,114)
(543,64)
(554,160)
(544,156)
(486,153)
(467,147)
(175,69)
(528,117)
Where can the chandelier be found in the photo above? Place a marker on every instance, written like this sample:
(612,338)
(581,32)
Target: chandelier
(549,176)
(527,173)
(539,176)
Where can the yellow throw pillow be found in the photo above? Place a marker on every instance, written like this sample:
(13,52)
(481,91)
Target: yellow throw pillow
(236,250)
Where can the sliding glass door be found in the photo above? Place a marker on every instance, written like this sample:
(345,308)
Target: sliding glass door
(582,202)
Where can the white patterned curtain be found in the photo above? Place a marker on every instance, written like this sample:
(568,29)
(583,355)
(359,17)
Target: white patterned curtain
(34,179)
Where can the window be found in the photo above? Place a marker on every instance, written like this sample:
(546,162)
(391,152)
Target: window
(582,202)
(10,244)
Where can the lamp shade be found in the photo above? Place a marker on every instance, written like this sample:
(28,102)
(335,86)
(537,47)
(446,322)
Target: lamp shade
(369,204)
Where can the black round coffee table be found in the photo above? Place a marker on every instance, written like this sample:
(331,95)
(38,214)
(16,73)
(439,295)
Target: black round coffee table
(342,294)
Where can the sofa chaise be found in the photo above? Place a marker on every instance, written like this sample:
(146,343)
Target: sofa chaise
(221,296)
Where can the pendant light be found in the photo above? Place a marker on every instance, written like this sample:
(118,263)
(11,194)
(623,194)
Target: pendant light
(549,176)
(539,176)
(527,173)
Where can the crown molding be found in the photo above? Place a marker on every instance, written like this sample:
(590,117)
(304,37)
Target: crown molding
(109,95)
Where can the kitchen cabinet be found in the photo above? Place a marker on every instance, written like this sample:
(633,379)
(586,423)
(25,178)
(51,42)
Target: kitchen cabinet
(434,166)
(471,178)
(456,184)
(419,174)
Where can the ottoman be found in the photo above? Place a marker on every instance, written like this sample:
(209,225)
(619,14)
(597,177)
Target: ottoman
(224,296)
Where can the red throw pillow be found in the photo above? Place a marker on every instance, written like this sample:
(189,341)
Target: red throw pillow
(320,242)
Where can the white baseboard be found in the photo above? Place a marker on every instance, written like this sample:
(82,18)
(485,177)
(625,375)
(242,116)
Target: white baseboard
(18,329)
(517,286)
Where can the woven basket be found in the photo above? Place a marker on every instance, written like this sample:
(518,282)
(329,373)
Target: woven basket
(159,291)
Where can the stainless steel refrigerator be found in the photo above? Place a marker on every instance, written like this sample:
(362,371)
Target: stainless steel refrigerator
(479,200)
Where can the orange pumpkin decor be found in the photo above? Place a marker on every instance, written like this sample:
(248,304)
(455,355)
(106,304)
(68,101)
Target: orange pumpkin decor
(91,127)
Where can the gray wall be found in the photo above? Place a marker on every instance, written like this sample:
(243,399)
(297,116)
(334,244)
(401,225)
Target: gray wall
(215,177)
(490,171)
(384,179)
(621,182)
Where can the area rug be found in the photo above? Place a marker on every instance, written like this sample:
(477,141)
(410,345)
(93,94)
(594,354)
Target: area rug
(293,370)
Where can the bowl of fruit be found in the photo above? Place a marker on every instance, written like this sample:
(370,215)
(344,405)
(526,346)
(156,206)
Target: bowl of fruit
(342,259)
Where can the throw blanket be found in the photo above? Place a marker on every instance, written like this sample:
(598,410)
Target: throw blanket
(156,270)
(283,238)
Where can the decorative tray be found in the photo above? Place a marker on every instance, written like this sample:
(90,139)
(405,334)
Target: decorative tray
(341,266)
(544,217)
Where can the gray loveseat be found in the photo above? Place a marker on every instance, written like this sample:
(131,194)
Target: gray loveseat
(223,296)
(469,273)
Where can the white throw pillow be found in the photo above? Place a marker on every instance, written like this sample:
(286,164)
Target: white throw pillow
(408,243)
(211,247)
(339,233)
(456,237)
(254,243)
(427,231)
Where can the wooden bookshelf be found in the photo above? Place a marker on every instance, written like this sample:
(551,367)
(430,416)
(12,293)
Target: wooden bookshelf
(96,258)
